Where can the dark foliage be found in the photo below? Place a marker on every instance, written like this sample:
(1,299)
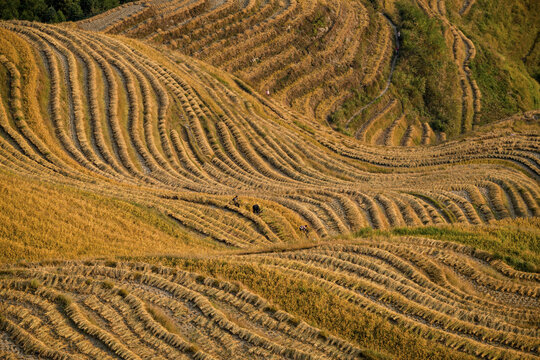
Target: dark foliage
(54,11)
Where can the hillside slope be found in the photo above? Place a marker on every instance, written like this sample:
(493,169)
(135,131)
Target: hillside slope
(377,298)
(335,60)
(129,175)
(508,56)
(177,136)
(311,55)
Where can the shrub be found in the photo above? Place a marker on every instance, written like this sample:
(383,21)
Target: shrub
(107,284)
(64,300)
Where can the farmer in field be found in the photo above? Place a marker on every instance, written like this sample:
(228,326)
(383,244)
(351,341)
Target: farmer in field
(304,229)
(257,209)
(235,201)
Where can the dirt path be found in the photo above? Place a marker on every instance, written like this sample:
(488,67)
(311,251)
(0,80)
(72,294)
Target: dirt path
(389,81)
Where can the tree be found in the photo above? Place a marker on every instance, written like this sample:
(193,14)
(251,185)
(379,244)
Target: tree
(9,9)
(60,15)
(52,11)
(73,10)
(28,15)
(90,7)
(51,15)
(39,8)
(109,4)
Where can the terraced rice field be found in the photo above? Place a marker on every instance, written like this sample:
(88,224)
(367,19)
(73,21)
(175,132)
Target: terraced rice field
(463,51)
(168,130)
(307,54)
(182,136)
(310,55)
(134,311)
(452,295)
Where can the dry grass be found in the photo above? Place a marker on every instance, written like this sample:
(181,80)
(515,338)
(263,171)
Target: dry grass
(311,55)
(112,148)
(80,224)
(439,291)
(183,138)
(133,323)
(246,38)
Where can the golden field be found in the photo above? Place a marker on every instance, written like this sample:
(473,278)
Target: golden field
(125,137)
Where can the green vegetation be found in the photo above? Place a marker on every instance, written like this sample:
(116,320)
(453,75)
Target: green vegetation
(162,318)
(318,22)
(516,242)
(517,247)
(425,77)
(359,98)
(53,11)
(507,62)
